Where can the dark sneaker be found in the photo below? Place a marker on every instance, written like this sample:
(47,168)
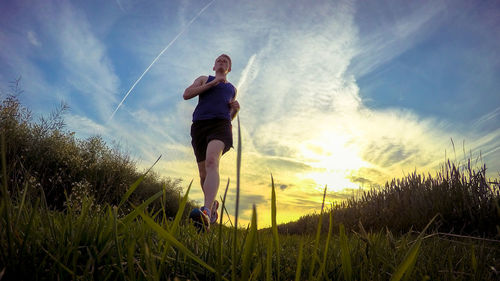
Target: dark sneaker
(200,218)
(214,215)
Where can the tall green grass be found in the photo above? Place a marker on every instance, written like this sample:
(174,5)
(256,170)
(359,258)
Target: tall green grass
(466,201)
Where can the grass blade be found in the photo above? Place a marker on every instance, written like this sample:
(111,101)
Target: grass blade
(249,247)
(345,254)
(131,260)
(318,234)
(134,186)
(227,213)
(473,260)
(58,262)
(178,216)
(47,215)
(220,251)
(238,167)
(171,239)
(406,266)
(269,258)
(299,261)
(275,227)
(28,228)
(255,273)
(325,253)
(23,197)
(115,230)
(132,215)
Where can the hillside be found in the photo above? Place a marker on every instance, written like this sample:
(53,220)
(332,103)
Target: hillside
(49,159)
(465,201)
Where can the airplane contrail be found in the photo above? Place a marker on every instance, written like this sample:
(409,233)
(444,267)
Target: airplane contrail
(158,56)
(244,73)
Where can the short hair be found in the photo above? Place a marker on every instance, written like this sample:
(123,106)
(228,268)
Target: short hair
(228,57)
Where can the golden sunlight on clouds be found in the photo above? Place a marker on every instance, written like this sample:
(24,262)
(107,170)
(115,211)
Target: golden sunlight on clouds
(333,158)
(334,180)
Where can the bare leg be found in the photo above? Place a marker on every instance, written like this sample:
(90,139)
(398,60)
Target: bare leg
(203,173)
(211,183)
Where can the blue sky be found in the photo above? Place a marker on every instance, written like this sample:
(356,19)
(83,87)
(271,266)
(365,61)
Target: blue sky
(347,94)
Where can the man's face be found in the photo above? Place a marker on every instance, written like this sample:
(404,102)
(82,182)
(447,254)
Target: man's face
(222,63)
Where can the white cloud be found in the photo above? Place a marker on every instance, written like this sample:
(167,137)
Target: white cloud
(120,5)
(487,119)
(32,38)
(184,7)
(83,126)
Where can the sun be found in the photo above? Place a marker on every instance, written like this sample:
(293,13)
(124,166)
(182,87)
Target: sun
(333,158)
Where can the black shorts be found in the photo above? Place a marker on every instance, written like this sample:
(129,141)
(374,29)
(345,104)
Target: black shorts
(203,131)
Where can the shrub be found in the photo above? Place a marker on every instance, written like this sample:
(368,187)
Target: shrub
(50,158)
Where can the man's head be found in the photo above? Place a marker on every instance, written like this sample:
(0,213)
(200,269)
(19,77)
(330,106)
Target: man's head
(222,63)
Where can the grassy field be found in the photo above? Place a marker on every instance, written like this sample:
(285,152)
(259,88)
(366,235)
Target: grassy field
(100,228)
(87,244)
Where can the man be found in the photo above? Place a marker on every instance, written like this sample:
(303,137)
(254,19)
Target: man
(211,132)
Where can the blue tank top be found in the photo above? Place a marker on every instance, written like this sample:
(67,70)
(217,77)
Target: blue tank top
(214,102)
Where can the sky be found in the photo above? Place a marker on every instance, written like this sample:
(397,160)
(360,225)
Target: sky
(342,94)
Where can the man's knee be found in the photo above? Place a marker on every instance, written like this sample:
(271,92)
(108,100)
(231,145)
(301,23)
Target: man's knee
(212,163)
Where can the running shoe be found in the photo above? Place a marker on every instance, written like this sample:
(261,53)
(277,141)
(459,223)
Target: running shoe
(214,215)
(200,218)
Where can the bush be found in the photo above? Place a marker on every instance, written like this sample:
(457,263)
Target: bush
(55,163)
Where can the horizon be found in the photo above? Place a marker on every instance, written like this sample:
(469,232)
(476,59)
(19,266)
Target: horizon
(344,94)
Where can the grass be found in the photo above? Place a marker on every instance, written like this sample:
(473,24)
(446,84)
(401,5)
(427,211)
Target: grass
(49,245)
(465,201)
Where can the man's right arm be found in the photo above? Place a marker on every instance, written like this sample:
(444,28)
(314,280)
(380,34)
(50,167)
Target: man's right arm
(199,86)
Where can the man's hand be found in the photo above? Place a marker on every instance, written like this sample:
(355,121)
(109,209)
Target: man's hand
(217,80)
(234,108)
(200,85)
